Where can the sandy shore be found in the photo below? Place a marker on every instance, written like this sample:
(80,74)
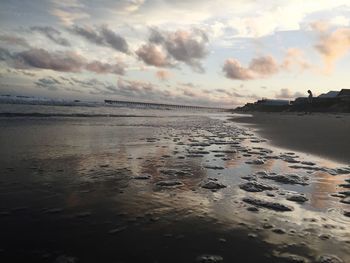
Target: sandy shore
(325,135)
(138,189)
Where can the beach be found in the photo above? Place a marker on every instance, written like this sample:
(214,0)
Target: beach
(160,131)
(321,134)
(163,186)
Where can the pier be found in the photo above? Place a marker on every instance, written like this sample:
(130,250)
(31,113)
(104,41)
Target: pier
(121,103)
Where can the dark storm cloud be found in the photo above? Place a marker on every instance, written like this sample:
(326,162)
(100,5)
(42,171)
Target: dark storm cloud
(52,34)
(102,36)
(184,46)
(67,61)
(14,40)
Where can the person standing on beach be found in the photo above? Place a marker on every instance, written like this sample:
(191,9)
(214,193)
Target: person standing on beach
(309,100)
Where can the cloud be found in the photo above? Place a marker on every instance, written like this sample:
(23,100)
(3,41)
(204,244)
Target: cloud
(156,36)
(127,6)
(264,66)
(75,81)
(133,89)
(52,34)
(235,94)
(64,61)
(153,55)
(287,94)
(114,40)
(137,87)
(69,17)
(14,41)
(320,26)
(59,61)
(333,45)
(189,47)
(90,83)
(69,11)
(100,68)
(259,19)
(88,33)
(19,71)
(102,36)
(49,83)
(188,84)
(224,91)
(163,75)
(71,84)
(189,93)
(241,18)
(5,55)
(67,61)
(234,70)
(295,58)
(250,96)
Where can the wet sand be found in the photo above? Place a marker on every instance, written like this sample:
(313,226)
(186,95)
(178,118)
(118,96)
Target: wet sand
(175,189)
(325,135)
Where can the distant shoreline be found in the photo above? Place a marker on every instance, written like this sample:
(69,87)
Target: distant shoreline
(324,135)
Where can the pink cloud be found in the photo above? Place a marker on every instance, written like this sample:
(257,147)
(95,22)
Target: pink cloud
(333,46)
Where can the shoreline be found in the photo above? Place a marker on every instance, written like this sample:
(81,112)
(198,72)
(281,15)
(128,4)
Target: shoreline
(322,135)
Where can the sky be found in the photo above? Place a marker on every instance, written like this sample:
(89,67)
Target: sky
(194,52)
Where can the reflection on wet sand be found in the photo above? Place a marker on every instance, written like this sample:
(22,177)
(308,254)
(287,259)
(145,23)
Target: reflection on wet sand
(139,188)
(324,185)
